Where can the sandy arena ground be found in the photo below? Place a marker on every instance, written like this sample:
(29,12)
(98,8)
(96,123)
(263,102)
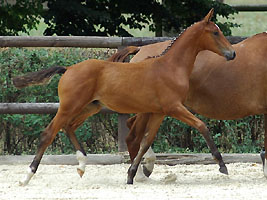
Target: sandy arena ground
(245,181)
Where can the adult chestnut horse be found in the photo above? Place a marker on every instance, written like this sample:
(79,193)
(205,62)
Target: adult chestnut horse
(218,89)
(158,86)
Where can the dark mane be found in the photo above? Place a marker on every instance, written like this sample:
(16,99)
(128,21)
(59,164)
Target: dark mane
(170,45)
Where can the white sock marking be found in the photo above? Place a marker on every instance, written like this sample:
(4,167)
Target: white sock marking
(27,178)
(140,176)
(150,159)
(82,160)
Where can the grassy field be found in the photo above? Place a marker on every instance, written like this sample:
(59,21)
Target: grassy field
(251,22)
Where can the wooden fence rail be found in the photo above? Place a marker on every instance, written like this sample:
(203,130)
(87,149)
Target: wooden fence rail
(85,41)
(251,7)
(76,41)
(34,108)
(51,108)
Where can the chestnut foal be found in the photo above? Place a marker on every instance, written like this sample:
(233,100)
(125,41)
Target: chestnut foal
(158,86)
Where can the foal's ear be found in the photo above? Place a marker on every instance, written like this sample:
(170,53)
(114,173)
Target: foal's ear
(209,16)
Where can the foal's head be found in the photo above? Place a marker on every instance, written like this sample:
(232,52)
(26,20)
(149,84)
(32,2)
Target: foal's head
(213,39)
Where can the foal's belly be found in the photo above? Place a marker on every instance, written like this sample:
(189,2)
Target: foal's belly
(126,105)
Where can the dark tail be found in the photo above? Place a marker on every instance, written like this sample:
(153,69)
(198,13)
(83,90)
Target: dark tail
(121,55)
(38,78)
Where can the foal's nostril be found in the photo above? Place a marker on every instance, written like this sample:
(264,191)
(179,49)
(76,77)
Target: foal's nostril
(230,55)
(234,55)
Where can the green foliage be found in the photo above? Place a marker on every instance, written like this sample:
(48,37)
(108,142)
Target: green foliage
(22,16)
(111,17)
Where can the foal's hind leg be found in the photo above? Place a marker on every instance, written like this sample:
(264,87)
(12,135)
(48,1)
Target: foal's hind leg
(181,113)
(46,139)
(61,119)
(70,128)
(80,153)
(153,126)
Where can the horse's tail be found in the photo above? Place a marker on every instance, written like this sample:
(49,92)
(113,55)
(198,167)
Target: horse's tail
(38,78)
(44,76)
(121,55)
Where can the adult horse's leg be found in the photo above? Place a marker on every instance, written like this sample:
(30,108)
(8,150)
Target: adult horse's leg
(263,154)
(137,126)
(153,125)
(149,162)
(181,113)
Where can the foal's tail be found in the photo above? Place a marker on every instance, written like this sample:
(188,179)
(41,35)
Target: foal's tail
(38,78)
(121,55)
(44,76)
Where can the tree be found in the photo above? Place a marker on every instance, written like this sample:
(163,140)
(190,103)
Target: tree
(21,16)
(110,17)
(186,12)
(97,17)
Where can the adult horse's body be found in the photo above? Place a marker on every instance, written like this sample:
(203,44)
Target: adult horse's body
(218,89)
(158,86)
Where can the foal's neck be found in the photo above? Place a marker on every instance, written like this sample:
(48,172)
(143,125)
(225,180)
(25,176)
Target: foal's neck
(185,49)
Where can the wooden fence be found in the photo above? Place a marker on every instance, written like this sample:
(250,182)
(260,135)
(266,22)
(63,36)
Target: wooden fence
(250,7)
(76,41)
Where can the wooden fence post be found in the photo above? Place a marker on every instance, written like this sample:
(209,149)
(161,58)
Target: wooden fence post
(122,128)
(122,132)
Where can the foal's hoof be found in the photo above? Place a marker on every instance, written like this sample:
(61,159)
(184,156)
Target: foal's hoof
(129,181)
(80,172)
(146,171)
(223,170)
(22,183)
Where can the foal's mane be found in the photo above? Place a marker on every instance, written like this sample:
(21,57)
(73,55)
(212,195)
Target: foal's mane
(173,40)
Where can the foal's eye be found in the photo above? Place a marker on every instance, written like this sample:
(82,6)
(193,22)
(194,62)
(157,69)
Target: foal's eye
(216,33)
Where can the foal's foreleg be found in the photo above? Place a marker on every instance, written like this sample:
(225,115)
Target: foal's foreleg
(153,126)
(181,113)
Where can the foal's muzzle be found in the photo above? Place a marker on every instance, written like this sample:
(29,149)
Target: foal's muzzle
(229,55)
